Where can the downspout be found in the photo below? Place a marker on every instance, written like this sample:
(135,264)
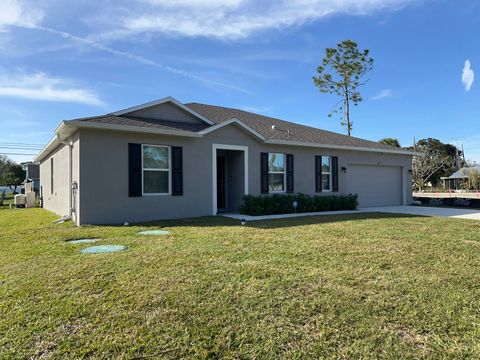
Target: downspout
(70,179)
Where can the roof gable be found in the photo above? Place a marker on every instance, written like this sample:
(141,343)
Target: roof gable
(166,109)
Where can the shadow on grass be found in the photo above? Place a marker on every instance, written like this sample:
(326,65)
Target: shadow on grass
(213,221)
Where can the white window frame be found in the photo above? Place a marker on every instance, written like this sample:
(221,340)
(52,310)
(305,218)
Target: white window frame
(327,173)
(169,170)
(284,172)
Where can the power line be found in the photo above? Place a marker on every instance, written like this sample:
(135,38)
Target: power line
(17,154)
(19,148)
(14,142)
(19,144)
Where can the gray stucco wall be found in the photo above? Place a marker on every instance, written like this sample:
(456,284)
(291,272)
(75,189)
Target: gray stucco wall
(168,112)
(104,173)
(58,201)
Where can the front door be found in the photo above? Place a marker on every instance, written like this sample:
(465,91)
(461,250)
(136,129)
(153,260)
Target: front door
(221,205)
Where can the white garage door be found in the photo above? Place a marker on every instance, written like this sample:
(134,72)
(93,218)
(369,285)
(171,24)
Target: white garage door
(375,185)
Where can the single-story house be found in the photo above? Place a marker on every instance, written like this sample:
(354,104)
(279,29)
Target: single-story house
(459,179)
(166,160)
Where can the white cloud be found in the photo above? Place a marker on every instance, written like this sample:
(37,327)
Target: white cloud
(382,94)
(18,13)
(257,109)
(39,86)
(468,76)
(140,59)
(233,19)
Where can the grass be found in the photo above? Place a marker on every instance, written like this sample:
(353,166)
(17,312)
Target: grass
(357,286)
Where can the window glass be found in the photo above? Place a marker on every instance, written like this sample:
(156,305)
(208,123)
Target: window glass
(156,169)
(276,162)
(325,182)
(326,172)
(155,157)
(276,182)
(155,182)
(325,164)
(276,172)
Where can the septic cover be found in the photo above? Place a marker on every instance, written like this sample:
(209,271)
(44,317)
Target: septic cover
(154,232)
(102,249)
(81,241)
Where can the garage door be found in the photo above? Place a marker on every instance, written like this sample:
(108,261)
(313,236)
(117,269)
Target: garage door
(375,185)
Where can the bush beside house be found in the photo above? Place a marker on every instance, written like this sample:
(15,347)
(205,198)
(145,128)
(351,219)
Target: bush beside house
(283,204)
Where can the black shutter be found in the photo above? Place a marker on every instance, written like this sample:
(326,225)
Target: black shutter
(177,171)
(335,173)
(264,173)
(134,170)
(289,173)
(318,173)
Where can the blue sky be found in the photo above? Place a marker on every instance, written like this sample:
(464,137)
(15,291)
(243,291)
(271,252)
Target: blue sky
(93,57)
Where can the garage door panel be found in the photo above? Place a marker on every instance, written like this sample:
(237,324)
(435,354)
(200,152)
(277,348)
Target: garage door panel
(375,185)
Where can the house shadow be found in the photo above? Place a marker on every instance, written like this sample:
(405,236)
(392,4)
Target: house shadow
(221,221)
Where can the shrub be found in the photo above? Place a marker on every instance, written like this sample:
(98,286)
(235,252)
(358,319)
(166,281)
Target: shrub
(283,203)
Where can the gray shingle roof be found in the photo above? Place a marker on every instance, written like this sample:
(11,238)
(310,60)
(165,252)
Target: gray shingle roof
(463,173)
(284,130)
(270,128)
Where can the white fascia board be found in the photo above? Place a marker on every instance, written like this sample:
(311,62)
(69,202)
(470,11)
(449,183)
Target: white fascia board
(159,102)
(229,122)
(341,147)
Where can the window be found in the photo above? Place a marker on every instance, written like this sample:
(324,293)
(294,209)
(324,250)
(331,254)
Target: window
(156,169)
(326,173)
(51,176)
(276,172)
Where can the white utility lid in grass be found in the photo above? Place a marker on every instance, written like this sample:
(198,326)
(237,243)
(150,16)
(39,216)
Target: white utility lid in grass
(81,241)
(103,249)
(154,232)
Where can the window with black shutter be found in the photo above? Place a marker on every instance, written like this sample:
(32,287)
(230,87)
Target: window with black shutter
(326,173)
(177,171)
(134,170)
(289,173)
(318,173)
(335,173)
(264,173)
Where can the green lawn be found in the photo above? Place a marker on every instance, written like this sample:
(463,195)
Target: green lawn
(357,286)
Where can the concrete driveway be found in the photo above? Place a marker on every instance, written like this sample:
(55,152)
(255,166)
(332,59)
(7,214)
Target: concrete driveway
(410,210)
(427,211)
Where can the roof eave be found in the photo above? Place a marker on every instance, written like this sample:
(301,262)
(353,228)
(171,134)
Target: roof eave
(341,147)
(126,128)
(74,125)
(52,144)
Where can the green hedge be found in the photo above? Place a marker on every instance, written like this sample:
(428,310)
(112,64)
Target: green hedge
(283,203)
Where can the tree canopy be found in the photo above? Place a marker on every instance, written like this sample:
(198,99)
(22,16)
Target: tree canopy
(435,160)
(390,141)
(344,69)
(11,173)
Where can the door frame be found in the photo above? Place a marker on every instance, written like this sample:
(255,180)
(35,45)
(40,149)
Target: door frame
(216,147)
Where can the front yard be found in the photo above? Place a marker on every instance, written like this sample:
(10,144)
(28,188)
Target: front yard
(356,286)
